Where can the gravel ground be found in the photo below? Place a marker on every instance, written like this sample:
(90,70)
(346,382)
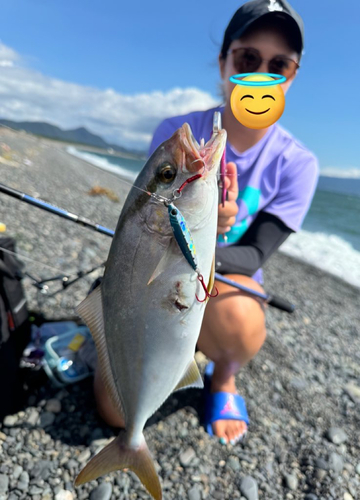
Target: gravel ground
(302,390)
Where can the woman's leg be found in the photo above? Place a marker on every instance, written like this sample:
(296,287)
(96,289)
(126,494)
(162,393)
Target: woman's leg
(232,333)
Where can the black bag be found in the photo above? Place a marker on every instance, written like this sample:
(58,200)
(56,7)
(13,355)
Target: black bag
(14,327)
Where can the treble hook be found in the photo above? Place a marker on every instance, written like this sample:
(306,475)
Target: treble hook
(207,293)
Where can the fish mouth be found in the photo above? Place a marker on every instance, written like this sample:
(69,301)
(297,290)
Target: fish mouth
(203,156)
(257,112)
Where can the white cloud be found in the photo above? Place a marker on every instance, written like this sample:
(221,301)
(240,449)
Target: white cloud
(26,94)
(344,173)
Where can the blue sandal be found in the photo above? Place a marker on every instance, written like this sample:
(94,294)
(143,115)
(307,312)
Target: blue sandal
(221,405)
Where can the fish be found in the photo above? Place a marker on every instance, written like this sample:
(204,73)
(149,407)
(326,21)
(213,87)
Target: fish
(146,315)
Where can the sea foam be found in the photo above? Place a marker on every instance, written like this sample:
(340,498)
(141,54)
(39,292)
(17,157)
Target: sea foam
(103,163)
(325,251)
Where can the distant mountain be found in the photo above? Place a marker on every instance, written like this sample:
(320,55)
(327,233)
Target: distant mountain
(78,136)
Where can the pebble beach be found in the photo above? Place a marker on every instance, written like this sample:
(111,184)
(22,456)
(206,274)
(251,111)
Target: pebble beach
(302,390)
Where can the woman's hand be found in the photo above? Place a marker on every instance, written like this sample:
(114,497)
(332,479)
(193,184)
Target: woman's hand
(227,213)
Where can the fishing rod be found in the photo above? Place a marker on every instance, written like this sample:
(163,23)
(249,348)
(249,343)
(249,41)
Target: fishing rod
(272,300)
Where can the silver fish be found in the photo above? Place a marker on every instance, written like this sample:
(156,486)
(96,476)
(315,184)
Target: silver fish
(145,318)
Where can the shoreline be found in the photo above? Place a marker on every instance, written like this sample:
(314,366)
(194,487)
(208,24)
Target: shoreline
(301,389)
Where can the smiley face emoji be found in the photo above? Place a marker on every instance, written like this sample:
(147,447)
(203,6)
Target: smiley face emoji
(257,106)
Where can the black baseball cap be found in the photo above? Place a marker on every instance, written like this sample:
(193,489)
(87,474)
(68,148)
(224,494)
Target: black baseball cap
(254,10)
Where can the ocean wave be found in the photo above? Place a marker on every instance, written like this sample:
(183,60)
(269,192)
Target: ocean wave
(342,173)
(328,252)
(103,163)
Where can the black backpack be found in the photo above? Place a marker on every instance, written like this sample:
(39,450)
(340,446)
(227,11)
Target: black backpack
(14,327)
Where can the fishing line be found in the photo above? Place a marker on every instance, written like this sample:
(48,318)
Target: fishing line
(31,260)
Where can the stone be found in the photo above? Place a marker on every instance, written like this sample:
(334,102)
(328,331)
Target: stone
(4,483)
(336,435)
(17,471)
(311,496)
(320,463)
(35,490)
(32,417)
(64,495)
(194,494)
(233,463)
(53,405)
(353,391)
(249,488)
(347,496)
(187,456)
(358,468)
(84,456)
(101,492)
(47,418)
(336,463)
(291,481)
(10,420)
(71,464)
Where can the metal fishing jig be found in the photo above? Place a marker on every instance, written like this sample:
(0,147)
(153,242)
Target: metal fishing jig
(187,246)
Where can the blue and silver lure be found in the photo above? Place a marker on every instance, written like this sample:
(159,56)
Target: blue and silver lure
(186,243)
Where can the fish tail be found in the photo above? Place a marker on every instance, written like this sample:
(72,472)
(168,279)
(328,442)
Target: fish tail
(120,455)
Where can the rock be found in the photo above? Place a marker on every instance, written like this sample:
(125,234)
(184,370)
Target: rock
(187,456)
(4,483)
(194,493)
(23,482)
(298,384)
(47,418)
(17,471)
(249,488)
(311,496)
(347,496)
(64,495)
(353,391)
(320,463)
(32,417)
(358,468)
(102,492)
(291,481)
(71,464)
(336,463)
(336,435)
(10,420)
(35,490)
(41,470)
(53,406)
(233,463)
(84,456)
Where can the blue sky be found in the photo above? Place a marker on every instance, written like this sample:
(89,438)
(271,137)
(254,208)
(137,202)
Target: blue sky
(148,60)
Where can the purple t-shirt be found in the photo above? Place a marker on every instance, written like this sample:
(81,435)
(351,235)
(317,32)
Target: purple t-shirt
(277,175)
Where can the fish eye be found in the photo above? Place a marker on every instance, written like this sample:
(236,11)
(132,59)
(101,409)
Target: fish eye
(166,173)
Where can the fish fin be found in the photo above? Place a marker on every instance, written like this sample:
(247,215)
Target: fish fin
(167,260)
(211,277)
(119,454)
(192,378)
(91,311)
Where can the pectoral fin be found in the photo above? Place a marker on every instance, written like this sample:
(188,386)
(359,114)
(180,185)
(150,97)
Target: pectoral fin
(171,257)
(191,378)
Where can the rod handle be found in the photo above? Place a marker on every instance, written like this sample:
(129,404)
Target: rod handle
(280,303)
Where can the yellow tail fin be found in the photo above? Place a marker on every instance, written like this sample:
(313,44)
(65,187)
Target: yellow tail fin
(119,455)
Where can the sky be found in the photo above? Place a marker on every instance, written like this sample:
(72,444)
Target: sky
(119,68)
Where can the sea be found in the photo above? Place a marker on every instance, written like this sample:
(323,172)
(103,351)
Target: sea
(330,235)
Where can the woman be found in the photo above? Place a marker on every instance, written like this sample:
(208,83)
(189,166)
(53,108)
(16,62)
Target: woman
(270,179)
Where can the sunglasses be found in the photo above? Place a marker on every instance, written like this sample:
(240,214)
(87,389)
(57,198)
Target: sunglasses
(248,60)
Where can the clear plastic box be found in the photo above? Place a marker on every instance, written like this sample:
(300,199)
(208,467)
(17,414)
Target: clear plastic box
(70,357)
